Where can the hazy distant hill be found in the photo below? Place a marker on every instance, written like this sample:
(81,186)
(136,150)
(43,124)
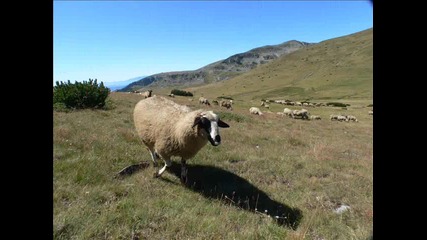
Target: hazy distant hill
(220,70)
(339,68)
(121,84)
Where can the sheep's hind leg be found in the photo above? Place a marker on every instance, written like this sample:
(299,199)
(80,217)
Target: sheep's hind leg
(184,171)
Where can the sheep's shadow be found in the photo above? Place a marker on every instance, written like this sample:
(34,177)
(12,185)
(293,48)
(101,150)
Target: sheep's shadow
(217,183)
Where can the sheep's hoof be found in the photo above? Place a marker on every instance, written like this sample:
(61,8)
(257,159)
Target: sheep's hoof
(184,180)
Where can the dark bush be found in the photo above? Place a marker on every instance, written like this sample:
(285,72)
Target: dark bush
(181,93)
(225,97)
(337,104)
(87,94)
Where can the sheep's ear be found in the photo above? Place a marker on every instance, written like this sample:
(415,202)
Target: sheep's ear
(222,124)
(196,121)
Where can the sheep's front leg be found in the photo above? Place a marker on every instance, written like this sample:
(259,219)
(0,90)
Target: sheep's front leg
(184,171)
(168,163)
(154,157)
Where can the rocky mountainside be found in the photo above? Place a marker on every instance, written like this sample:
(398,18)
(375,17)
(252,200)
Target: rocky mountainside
(220,70)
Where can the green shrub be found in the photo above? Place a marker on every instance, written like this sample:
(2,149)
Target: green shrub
(371,105)
(87,94)
(181,93)
(109,104)
(337,104)
(60,107)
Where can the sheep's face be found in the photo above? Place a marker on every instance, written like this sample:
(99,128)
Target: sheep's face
(210,122)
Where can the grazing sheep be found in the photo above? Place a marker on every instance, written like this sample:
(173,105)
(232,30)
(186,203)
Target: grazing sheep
(315,117)
(171,95)
(303,113)
(226,104)
(147,93)
(169,129)
(371,112)
(338,117)
(333,117)
(351,118)
(255,110)
(205,101)
(288,112)
(202,99)
(342,118)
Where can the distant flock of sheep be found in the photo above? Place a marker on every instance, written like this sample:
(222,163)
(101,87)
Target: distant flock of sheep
(228,104)
(341,118)
(169,129)
(296,114)
(292,103)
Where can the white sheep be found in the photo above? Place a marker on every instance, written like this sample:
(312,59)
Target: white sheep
(255,110)
(226,104)
(147,93)
(341,118)
(371,112)
(315,117)
(169,129)
(351,118)
(288,112)
(333,117)
(338,117)
(205,101)
(303,113)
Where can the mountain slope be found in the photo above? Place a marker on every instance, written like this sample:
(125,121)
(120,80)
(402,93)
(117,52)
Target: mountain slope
(121,84)
(220,70)
(339,68)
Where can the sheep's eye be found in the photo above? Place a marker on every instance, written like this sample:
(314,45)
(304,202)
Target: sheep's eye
(206,122)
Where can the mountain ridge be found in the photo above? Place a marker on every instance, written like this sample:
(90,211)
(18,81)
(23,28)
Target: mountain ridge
(220,70)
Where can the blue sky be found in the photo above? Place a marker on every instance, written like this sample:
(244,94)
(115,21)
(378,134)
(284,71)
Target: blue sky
(119,40)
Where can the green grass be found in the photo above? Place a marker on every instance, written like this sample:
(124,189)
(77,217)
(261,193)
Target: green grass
(305,168)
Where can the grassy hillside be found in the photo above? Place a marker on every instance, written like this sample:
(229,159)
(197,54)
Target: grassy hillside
(340,68)
(306,169)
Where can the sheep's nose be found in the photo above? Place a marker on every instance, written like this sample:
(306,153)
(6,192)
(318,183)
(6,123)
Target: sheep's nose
(217,138)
